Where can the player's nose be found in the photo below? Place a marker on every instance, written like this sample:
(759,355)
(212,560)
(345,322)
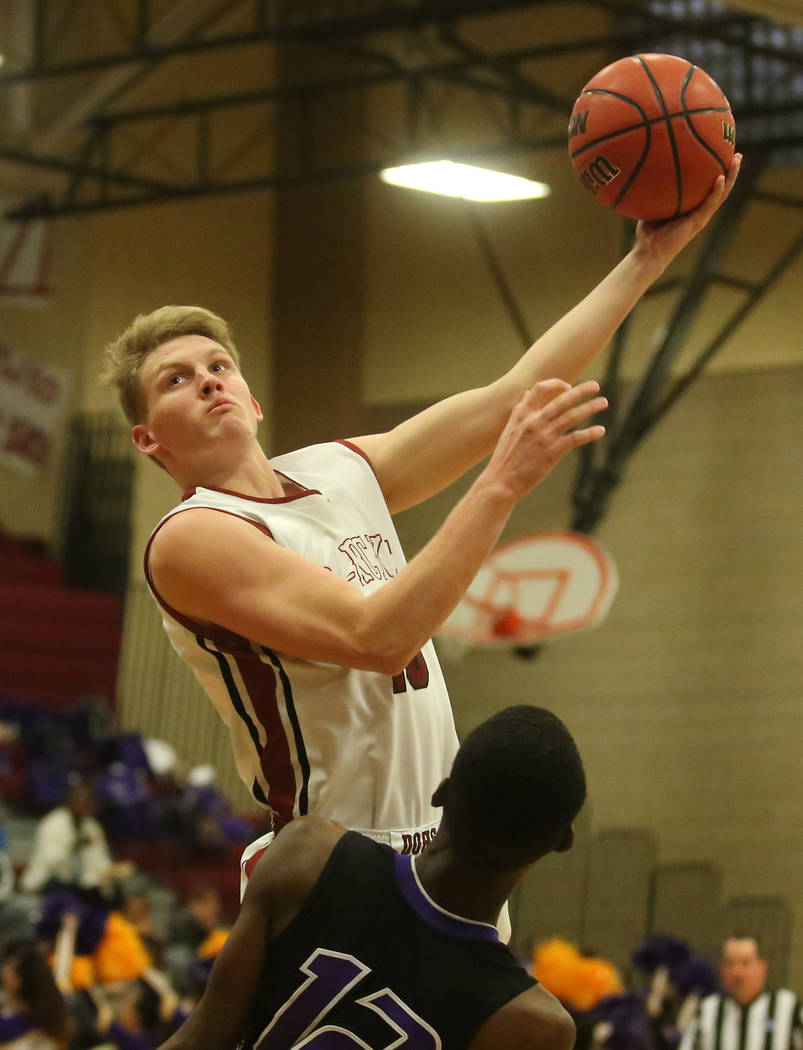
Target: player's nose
(210,384)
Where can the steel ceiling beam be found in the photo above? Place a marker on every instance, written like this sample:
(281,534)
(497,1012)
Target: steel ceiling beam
(468,69)
(602,467)
(271,26)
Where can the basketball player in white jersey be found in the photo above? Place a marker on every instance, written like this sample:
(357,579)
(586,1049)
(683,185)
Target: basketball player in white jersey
(282,582)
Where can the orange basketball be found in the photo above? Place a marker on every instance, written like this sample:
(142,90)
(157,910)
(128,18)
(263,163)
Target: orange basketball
(649,135)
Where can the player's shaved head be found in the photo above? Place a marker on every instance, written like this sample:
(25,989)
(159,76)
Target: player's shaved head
(516,785)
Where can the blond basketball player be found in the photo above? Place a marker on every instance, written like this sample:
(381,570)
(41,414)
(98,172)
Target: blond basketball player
(282,582)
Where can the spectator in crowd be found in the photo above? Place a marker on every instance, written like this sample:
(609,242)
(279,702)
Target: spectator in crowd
(15,921)
(137,911)
(33,1015)
(192,927)
(131,1019)
(746,1015)
(70,851)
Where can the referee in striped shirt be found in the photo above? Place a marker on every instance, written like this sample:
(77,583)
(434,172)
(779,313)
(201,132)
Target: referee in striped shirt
(746,1016)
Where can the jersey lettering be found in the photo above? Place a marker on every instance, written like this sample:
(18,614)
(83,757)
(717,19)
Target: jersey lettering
(416,673)
(368,558)
(331,975)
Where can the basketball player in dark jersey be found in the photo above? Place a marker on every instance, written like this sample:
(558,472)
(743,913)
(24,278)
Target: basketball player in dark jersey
(342,943)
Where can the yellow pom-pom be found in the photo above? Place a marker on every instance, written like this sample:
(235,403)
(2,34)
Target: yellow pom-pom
(121,955)
(596,978)
(82,972)
(213,943)
(555,963)
(577,980)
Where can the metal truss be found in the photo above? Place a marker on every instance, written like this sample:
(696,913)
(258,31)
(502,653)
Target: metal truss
(602,467)
(116,159)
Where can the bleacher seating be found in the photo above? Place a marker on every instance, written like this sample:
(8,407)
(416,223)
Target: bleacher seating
(57,644)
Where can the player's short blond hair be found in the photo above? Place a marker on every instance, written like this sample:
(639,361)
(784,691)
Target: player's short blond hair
(125,355)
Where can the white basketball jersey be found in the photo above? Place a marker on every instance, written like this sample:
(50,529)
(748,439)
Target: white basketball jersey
(355,746)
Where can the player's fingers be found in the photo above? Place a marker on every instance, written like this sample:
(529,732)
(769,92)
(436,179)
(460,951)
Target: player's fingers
(545,390)
(571,417)
(720,190)
(733,172)
(576,438)
(570,398)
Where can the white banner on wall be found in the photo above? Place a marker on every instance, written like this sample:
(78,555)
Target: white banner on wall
(33,397)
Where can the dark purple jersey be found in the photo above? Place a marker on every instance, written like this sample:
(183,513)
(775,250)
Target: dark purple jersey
(371,962)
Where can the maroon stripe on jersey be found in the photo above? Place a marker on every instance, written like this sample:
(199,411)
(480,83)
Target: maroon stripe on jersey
(357,449)
(257,499)
(260,681)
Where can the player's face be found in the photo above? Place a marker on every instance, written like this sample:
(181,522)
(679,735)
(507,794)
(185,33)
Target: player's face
(194,397)
(742,969)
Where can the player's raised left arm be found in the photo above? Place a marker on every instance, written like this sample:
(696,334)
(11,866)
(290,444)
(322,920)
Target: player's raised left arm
(425,453)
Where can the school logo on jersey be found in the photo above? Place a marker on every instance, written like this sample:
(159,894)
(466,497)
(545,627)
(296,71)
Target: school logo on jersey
(369,557)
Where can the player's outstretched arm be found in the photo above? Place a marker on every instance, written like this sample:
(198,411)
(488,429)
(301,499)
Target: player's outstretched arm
(534,1020)
(427,452)
(217,568)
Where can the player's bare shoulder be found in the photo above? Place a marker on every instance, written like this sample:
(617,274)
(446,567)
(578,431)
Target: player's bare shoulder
(534,1020)
(188,544)
(290,867)
(191,531)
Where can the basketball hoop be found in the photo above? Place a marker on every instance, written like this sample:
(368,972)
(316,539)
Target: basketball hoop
(538,587)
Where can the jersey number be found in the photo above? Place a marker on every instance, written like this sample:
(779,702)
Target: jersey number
(330,976)
(416,673)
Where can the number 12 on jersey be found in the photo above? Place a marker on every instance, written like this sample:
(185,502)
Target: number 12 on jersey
(331,976)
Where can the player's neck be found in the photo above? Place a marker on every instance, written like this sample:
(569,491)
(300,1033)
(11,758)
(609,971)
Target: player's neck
(466,891)
(250,476)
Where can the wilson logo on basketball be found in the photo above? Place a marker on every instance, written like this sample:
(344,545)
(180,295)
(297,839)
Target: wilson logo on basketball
(577,124)
(599,173)
(729,132)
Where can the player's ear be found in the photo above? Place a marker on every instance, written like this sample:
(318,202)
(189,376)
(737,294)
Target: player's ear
(566,842)
(441,791)
(143,440)
(257,409)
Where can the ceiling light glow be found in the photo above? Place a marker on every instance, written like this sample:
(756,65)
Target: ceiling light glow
(464,180)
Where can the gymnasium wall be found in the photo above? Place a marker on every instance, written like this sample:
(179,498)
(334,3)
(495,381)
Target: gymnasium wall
(686,701)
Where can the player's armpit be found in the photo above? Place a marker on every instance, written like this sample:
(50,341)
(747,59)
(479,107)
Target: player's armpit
(215,568)
(287,872)
(534,1020)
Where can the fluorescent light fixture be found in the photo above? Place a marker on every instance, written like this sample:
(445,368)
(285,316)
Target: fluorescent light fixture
(464,180)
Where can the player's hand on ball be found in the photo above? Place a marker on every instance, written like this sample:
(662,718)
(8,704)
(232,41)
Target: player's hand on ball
(542,427)
(670,236)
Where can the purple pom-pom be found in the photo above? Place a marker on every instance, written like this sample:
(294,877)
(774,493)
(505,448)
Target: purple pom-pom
(91,921)
(695,976)
(631,1024)
(660,949)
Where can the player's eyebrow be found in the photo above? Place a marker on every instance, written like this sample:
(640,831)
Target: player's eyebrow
(176,363)
(167,365)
